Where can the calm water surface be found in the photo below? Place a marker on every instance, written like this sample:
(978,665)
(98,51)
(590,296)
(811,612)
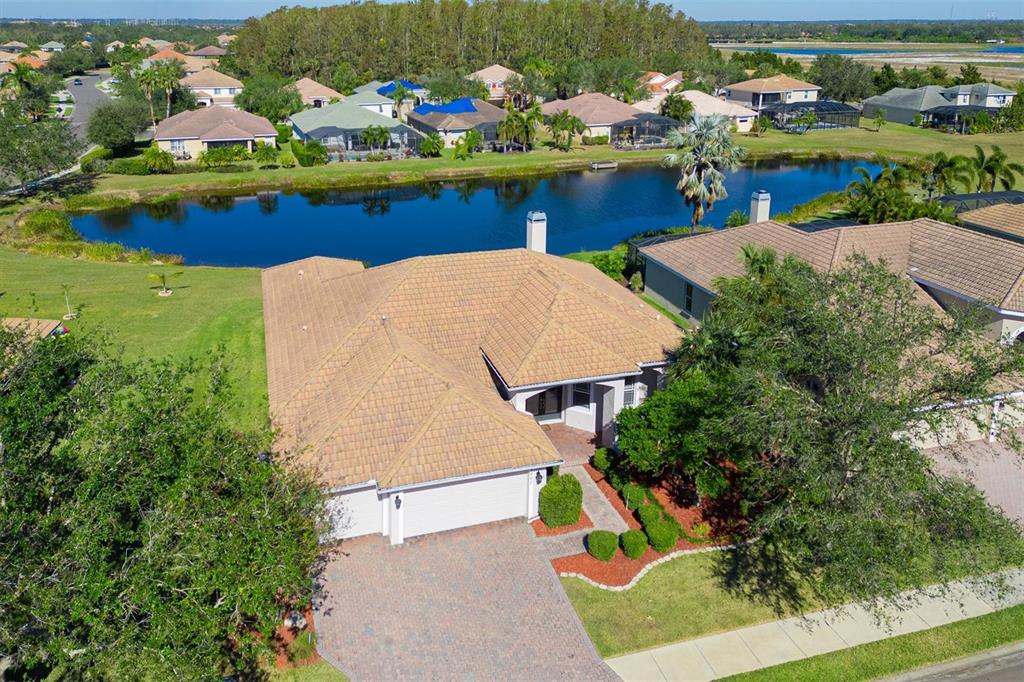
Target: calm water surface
(881,49)
(586,211)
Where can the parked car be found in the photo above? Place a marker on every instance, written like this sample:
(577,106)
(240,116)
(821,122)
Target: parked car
(77,81)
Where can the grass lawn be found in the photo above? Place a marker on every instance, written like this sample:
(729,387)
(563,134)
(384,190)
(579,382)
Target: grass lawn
(209,307)
(318,672)
(903,653)
(680,599)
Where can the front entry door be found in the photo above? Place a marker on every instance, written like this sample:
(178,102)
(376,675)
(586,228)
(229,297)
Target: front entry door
(546,404)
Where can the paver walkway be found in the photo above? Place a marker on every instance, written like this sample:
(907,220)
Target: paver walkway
(597,507)
(760,646)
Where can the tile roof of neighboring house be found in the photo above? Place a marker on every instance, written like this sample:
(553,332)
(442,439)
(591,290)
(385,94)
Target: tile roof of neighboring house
(495,73)
(208,78)
(209,51)
(658,83)
(31,326)
(914,99)
(341,116)
(214,123)
(15,43)
(978,90)
(975,265)
(382,374)
(166,54)
(160,43)
(225,38)
(1005,218)
(53,45)
(114,44)
(709,105)
(460,114)
(780,83)
(593,108)
(363,97)
(309,90)
(6,56)
(7,67)
(32,61)
(369,87)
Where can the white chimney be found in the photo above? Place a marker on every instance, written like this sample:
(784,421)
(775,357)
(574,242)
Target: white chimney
(537,231)
(760,206)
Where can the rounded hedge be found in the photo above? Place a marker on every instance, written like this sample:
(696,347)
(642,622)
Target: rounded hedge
(634,543)
(561,501)
(633,494)
(600,460)
(602,544)
(650,514)
(663,535)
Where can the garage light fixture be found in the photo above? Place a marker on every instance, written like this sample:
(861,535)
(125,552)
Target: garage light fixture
(539,478)
(398,502)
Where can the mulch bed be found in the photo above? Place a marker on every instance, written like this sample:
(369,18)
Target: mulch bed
(621,569)
(284,636)
(542,531)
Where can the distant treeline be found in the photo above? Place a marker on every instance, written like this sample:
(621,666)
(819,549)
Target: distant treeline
(414,38)
(37,33)
(853,31)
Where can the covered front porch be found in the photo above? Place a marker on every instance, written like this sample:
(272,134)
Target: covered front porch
(574,445)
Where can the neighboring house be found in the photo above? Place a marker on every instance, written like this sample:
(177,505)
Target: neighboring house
(225,39)
(31,60)
(315,95)
(418,92)
(709,105)
(371,101)
(494,77)
(453,120)
(212,52)
(34,327)
(339,127)
(213,88)
(758,93)
(187,134)
(604,115)
(1000,220)
(417,389)
(6,56)
(936,104)
(14,46)
(52,46)
(158,44)
(114,46)
(190,65)
(658,86)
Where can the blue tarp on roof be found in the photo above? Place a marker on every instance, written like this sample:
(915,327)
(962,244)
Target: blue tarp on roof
(390,87)
(459,106)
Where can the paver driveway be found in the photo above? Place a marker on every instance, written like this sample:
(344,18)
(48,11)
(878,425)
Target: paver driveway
(472,604)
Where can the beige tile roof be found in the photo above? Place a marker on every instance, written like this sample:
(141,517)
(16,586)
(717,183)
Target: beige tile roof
(381,374)
(309,90)
(979,266)
(214,123)
(1005,218)
(593,108)
(31,326)
(209,78)
(709,105)
(494,73)
(780,83)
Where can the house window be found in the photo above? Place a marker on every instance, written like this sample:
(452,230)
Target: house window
(629,393)
(581,395)
(688,297)
(177,146)
(217,91)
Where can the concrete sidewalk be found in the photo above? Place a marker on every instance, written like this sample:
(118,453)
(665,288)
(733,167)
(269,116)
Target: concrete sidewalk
(792,639)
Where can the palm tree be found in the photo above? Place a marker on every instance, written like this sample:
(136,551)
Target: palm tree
(508,129)
(399,95)
(149,81)
(946,173)
(431,145)
(168,73)
(564,123)
(706,151)
(533,118)
(992,169)
(677,107)
(20,78)
(374,136)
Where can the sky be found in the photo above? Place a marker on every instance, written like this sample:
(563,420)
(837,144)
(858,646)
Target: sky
(703,10)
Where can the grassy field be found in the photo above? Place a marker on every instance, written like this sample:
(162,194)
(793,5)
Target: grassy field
(318,672)
(680,599)
(903,653)
(210,306)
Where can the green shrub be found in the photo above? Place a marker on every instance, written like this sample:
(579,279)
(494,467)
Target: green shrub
(299,152)
(634,543)
(662,535)
(600,460)
(561,501)
(222,156)
(700,531)
(104,251)
(157,160)
(287,159)
(602,544)
(59,249)
(633,494)
(611,263)
(596,139)
(95,161)
(284,133)
(651,514)
(133,166)
(47,223)
(302,647)
(636,282)
(711,482)
(376,156)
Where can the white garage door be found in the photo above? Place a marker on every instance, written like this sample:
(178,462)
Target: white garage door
(431,510)
(355,513)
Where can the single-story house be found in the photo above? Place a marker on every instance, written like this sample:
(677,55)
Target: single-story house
(946,263)
(14,46)
(52,46)
(417,389)
(709,105)
(187,134)
(339,127)
(315,95)
(114,46)
(494,77)
(758,93)
(371,101)
(604,115)
(935,103)
(1001,220)
(453,119)
(208,52)
(213,88)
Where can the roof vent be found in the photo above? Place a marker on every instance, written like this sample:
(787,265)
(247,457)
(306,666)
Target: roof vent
(537,231)
(760,206)
(301,273)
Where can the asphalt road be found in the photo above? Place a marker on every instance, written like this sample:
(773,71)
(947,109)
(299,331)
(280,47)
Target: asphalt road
(87,97)
(1002,666)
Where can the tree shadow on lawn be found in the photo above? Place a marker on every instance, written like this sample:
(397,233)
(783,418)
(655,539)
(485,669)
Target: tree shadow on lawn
(759,572)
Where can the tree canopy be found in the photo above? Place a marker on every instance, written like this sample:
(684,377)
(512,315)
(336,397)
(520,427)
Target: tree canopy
(271,97)
(115,124)
(841,78)
(131,549)
(803,394)
(31,151)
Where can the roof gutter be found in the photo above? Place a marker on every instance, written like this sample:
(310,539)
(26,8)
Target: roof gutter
(1018,314)
(673,270)
(470,477)
(561,382)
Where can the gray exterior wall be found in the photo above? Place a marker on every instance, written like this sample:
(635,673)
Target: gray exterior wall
(892,114)
(668,288)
